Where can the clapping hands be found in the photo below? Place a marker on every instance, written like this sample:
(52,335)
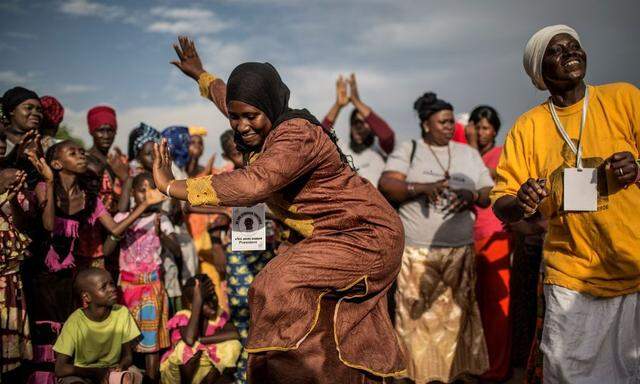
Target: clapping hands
(342,97)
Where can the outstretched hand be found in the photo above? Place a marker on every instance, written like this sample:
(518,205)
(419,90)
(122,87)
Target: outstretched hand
(41,166)
(189,61)
(162,173)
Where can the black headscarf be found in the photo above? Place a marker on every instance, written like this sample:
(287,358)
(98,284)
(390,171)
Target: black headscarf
(260,85)
(13,97)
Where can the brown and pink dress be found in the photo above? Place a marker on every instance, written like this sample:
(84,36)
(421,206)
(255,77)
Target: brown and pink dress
(319,308)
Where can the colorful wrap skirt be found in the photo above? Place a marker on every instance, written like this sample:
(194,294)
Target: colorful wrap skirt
(147,300)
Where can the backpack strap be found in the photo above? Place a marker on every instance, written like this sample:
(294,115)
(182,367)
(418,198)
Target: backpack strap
(413,151)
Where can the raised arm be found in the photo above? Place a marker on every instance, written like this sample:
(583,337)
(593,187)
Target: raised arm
(117,228)
(379,127)
(190,64)
(46,197)
(341,101)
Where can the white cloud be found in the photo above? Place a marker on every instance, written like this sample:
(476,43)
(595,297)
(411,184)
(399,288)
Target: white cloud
(21,35)
(12,78)
(194,21)
(77,88)
(89,8)
(96,9)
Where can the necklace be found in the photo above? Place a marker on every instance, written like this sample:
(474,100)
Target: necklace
(445,170)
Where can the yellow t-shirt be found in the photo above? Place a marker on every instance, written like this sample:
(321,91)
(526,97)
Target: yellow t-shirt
(590,252)
(96,344)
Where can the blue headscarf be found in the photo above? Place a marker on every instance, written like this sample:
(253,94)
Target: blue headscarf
(179,139)
(140,135)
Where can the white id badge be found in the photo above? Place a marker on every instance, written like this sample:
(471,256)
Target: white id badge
(580,189)
(248,229)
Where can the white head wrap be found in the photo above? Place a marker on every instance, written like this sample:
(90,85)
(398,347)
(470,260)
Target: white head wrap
(534,51)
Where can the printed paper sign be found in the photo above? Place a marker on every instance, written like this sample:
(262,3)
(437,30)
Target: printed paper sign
(580,190)
(248,229)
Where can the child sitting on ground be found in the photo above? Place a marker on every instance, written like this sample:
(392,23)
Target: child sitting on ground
(141,273)
(95,343)
(205,343)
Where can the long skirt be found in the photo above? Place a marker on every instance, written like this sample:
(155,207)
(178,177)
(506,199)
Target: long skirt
(492,255)
(14,325)
(148,303)
(319,312)
(437,315)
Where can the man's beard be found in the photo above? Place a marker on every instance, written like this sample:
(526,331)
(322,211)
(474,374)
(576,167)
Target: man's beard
(366,143)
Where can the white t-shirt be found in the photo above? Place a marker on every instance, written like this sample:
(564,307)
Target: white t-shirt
(425,224)
(370,163)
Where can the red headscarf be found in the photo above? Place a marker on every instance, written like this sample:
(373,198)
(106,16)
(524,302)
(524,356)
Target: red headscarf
(53,112)
(99,116)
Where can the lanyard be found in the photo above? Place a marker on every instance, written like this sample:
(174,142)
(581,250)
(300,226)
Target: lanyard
(565,135)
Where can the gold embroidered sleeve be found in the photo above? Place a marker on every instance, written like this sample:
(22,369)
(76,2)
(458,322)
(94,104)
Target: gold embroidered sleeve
(200,191)
(204,81)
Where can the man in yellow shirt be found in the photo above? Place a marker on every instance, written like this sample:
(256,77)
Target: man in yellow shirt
(573,159)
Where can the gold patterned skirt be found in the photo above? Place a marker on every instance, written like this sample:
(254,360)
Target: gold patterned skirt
(437,315)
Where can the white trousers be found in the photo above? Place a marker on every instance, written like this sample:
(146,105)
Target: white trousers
(588,339)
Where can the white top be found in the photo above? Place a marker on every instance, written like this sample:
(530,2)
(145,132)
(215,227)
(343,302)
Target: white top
(425,224)
(370,163)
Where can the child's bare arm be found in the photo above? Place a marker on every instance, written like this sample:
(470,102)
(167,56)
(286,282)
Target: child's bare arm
(228,332)
(191,332)
(64,367)
(110,245)
(153,197)
(125,197)
(46,201)
(126,356)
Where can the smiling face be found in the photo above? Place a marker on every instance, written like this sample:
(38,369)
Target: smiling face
(565,63)
(71,158)
(103,137)
(440,126)
(27,115)
(250,122)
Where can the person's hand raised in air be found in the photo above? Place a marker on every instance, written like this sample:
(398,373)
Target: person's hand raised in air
(342,99)
(189,61)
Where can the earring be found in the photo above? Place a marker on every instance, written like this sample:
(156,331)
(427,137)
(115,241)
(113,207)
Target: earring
(85,304)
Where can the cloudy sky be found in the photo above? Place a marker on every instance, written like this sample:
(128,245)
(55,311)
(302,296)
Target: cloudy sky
(88,52)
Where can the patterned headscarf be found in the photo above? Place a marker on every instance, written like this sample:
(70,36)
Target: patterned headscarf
(139,136)
(178,139)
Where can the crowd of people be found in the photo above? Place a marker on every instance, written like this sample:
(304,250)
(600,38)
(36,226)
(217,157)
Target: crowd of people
(445,258)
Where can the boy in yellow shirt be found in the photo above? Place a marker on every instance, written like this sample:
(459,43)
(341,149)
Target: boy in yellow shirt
(95,344)
(573,159)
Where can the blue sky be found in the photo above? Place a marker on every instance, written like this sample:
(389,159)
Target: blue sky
(88,52)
